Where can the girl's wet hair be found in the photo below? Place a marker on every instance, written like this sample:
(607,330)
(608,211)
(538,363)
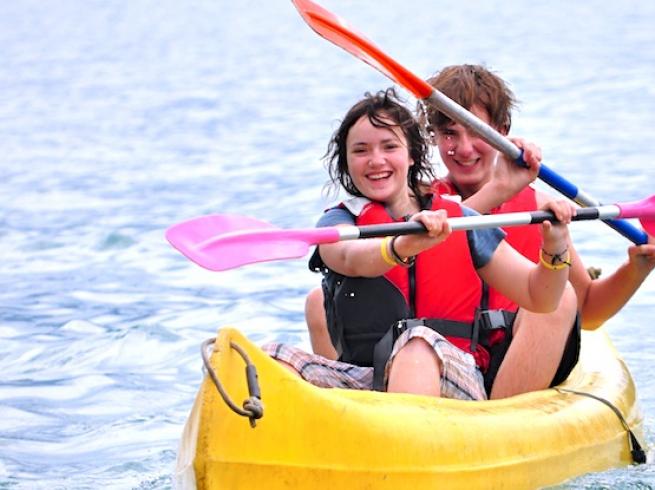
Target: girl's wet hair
(470,85)
(384,110)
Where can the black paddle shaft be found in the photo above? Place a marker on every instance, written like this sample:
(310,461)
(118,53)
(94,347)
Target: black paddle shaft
(527,218)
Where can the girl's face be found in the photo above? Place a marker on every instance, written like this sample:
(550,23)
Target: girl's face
(378,161)
(468,158)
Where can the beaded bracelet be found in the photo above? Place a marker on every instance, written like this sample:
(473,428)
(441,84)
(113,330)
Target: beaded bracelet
(557,261)
(407,262)
(384,251)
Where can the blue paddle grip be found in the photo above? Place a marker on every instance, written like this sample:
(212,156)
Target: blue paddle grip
(635,235)
(550,177)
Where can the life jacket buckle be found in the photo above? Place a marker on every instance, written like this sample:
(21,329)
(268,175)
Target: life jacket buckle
(406,324)
(486,320)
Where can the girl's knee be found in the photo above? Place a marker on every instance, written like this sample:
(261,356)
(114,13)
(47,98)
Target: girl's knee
(419,352)
(415,369)
(416,347)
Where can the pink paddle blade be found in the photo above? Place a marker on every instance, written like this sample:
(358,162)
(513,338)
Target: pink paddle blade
(644,210)
(220,242)
(188,236)
(197,230)
(245,247)
(649,225)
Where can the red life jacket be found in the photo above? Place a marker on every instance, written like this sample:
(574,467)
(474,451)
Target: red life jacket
(447,284)
(525,239)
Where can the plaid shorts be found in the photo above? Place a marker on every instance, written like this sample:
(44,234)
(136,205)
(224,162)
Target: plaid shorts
(460,377)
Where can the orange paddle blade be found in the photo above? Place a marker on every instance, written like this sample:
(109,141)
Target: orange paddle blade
(337,31)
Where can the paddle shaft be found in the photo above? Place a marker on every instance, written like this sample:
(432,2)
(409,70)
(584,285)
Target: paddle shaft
(468,223)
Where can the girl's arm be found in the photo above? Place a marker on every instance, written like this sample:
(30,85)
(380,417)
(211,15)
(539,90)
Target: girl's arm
(373,257)
(535,287)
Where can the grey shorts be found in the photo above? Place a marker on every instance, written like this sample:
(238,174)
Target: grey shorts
(460,377)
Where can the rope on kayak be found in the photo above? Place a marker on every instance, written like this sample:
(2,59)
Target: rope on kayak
(637,452)
(252,407)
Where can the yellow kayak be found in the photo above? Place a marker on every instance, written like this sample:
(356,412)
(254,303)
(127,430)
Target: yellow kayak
(317,438)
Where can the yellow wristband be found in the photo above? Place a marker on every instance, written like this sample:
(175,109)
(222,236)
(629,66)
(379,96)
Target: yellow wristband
(553,264)
(384,251)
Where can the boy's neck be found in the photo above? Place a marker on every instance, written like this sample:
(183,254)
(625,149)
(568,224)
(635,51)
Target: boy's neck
(466,191)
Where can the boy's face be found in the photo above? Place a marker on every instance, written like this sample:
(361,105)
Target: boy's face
(469,159)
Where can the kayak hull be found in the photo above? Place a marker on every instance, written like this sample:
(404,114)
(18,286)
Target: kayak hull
(319,438)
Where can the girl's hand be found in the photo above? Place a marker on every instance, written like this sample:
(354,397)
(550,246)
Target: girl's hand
(438,229)
(556,234)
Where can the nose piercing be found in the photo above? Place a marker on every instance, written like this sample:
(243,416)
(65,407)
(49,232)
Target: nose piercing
(450,152)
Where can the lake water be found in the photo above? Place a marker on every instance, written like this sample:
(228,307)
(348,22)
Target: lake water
(119,119)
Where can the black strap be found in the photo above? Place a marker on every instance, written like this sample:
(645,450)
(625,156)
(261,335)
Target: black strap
(411,276)
(636,450)
(449,328)
(484,297)
(381,353)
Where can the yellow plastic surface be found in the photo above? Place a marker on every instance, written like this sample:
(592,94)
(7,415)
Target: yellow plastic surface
(314,438)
